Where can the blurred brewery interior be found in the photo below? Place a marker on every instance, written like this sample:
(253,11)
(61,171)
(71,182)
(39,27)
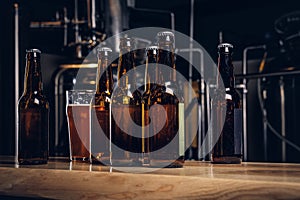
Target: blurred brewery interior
(67,30)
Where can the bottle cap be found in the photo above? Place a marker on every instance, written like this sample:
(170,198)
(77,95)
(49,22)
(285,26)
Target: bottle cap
(152,48)
(33,53)
(166,36)
(225,47)
(127,42)
(105,51)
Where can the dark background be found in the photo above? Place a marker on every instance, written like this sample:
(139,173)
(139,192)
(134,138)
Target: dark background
(243,23)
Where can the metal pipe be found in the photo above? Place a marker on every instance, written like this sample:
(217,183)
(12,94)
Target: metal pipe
(208,113)
(77,35)
(88,7)
(16,7)
(191,46)
(76,20)
(282,110)
(245,153)
(172,21)
(220,37)
(191,54)
(116,24)
(265,131)
(57,109)
(93,14)
(199,142)
(65,27)
(272,74)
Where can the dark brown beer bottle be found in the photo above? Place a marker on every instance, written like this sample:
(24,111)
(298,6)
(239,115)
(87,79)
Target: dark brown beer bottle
(228,148)
(150,67)
(167,140)
(100,110)
(33,115)
(126,110)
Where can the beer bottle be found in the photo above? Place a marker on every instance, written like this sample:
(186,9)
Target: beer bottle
(126,110)
(227,104)
(100,109)
(167,140)
(151,59)
(33,114)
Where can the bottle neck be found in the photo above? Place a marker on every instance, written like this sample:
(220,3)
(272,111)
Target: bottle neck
(151,57)
(33,76)
(150,63)
(166,57)
(225,68)
(126,63)
(104,81)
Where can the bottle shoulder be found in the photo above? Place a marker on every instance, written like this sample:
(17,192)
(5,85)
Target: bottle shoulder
(33,101)
(102,96)
(101,99)
(126,96)
(163,95)
(227,95)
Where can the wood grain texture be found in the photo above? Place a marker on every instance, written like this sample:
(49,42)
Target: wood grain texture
(195,181)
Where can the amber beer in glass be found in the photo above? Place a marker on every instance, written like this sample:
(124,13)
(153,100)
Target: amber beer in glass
(78,117)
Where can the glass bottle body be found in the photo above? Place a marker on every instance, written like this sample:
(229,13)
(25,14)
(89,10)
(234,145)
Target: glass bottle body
(126,111)
(227,109)
(33,115)
(101,110)
(166,141)
(151,59)
(228,148)
(126,122)
(100,130)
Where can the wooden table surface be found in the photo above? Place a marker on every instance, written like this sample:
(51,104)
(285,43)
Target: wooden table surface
(196,180)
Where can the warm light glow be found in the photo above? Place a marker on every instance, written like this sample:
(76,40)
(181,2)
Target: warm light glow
(69,66)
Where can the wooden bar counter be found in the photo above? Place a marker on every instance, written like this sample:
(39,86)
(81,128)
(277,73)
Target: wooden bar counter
(196,180)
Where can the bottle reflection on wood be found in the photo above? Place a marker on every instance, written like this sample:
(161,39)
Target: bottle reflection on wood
(228,148)
(166,143)
(33,115)
(126,111)
(100,110)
